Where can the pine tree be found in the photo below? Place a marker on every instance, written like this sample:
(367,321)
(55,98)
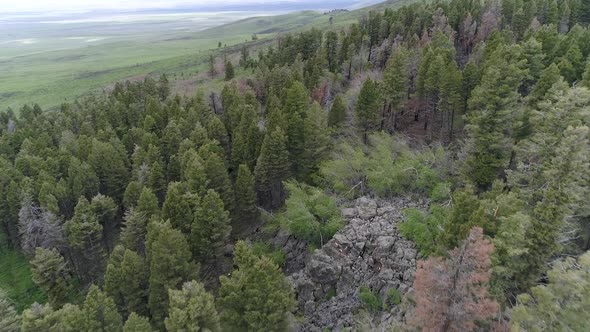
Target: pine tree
(169,260)
(134,231)
(125,281)
(257,296)
(559,305)
(367,109)
(586,76)
(148,203)
(272,169)
(177,207)
(229,71)
(9,319)
(100,312)
(451,294)
(192,309)
(337,113)
(38,318)
(492,104)
(137,323)
(296,106)
(218,178)
(548,77)
(245,189)
(332,51)
(316,143)
(210,228)
(50,273)
(395,87)
(84,234)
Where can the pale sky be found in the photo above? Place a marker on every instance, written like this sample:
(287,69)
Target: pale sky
(76,5)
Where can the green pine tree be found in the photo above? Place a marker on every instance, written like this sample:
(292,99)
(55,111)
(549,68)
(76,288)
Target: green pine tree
(229,71)
(368,109)
(125,281)
(245,189)
(100,312)
(192,308)
(395,87)
(272,169)
(257,296)
(169,261)
(85,236)
(50,273)
(9,319)
(210,228)
(337,114)
(137,323)
(177,207)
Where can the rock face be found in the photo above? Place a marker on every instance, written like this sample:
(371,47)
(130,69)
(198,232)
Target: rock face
(368,251)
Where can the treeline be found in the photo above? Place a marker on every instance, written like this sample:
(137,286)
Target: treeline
(127,202)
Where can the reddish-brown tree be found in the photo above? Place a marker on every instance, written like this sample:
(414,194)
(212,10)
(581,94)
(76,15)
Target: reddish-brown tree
(452,294)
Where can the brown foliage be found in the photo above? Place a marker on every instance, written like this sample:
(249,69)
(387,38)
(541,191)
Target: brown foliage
(452,294)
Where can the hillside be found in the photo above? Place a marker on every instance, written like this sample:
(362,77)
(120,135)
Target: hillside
(423,167)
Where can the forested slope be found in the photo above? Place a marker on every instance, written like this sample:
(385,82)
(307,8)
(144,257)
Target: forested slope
(132,205)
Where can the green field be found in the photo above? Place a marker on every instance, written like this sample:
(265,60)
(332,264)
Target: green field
(66,61)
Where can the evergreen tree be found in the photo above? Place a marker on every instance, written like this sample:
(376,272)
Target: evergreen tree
(272,169)
(125,281)
(395,87)
(492,104)
(177,207)
(229,71)
(245,189)
(548,77)
(100,313)
(134,230)
(169,260)
(586,76)
(9,319)
(560,304)
(296,110)
(50,273)
(367,109)
(257,296)
(218,178)
(337,113)
(211,227)
(38,318)
(148,203)
(137,323)
(332,51)
(451,294)
(192,309)
(84,234)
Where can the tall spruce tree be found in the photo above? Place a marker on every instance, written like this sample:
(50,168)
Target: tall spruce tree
(169,260)
(50,273)
(257,296)
(337,113)
(9,319)
(137,323)
(211,228)
(126,281)
(192,308)
(84,234)
(272,169)
(395,87)
(367,108)
(177,207)
(245,189)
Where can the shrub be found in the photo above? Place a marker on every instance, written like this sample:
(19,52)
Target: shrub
(389,168)
(394,297)
(424,228)
(370,300)
(310,214)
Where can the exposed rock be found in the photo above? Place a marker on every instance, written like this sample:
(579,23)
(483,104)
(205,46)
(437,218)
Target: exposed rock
(368,251)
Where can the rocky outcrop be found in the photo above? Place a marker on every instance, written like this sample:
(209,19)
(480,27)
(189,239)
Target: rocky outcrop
(368,251)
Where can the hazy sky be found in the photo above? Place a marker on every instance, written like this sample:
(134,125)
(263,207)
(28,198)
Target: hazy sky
(73,5)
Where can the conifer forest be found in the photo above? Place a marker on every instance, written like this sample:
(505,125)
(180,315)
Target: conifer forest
(425,167)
